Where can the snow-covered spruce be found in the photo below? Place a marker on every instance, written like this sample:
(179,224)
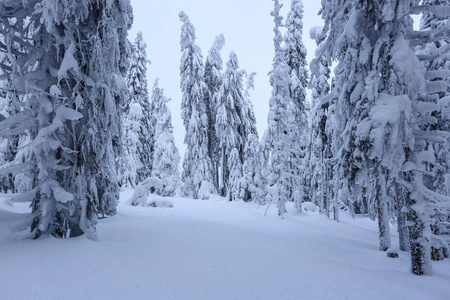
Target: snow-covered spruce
(197,167)
(138,89)
(229,122)
(250,134)
(341,121)
(280,120)
(129,160)
(433,50)
(319,139)
(248,114)
(9,105)
(74,56)
(165,153)
(295,52)
(235,189)
(383,114)
(350,99)
(253,179)
(213,81)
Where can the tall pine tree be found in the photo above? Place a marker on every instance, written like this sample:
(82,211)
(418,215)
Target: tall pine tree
(137,85)
(296,61)
(197,167)
(320,140)
(166,157)
(432,50)
(229,123)
(280,120)
(213,81)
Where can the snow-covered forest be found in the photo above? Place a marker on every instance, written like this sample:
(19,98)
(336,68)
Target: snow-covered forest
(344,195)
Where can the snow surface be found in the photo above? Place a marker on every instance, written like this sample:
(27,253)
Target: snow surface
(211,250)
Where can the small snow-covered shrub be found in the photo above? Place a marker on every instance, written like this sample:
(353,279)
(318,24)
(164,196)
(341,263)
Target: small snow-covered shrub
(143,190)
(206,189)
(309,206)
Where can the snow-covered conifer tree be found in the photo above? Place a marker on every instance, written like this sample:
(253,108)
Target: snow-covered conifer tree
(137,86)
(252,171)
(213,80)
(296,60)
(229,126)
(71,70)
(390,144)
(166,157)
(197,168)
(107,67)
(433,51)
(8,146)
(13,149)
(404,83)
(263,176)
(348,87)
(279,120)
(248,114)
(235,189)
(320,74)
(129,161)
(251,167)
(8,150)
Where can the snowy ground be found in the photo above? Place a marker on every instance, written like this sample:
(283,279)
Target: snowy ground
(211,250)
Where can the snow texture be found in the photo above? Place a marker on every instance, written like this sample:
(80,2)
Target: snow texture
(211,250)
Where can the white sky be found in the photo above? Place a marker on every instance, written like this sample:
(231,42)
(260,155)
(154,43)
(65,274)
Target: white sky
(247,26)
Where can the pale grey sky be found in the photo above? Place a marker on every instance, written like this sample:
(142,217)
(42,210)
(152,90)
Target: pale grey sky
(247,27)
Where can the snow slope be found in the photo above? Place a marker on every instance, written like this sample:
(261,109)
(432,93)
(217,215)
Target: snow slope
(211,250)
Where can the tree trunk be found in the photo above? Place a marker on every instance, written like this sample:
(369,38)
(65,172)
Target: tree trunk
(281,204)
(336,211)
(420,250)
(403,236)
(437,251)
(223,178)
(382,212)
(418,226)
(336,206)
(322,204)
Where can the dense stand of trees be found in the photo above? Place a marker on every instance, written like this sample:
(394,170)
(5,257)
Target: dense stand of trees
(78,122)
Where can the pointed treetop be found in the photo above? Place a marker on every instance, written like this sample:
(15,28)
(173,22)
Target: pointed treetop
(187,31)
(219,42)
(156,83)
(159,92)
(250,85)
(140,39)
(278,20)
(233,62)
(183,17)
(296,9)
(276,13)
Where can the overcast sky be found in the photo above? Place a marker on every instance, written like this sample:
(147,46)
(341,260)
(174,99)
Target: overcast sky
(247,27)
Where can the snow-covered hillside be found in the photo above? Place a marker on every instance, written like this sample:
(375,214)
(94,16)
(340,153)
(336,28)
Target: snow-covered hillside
(211,250)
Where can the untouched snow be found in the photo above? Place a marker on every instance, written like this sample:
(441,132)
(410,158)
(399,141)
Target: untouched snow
(211,250)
